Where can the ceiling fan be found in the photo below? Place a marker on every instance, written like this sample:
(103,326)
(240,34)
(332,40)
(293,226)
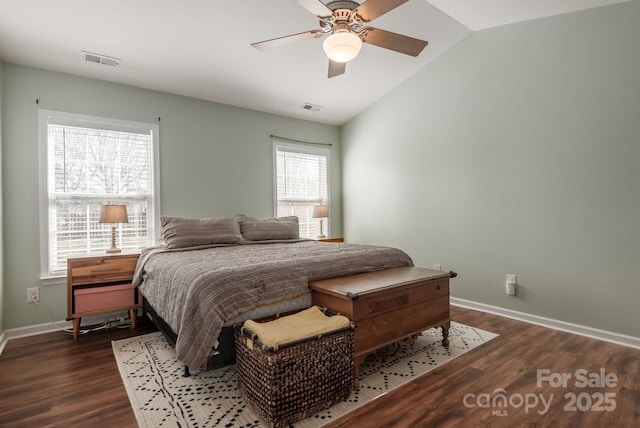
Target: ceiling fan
(345,23)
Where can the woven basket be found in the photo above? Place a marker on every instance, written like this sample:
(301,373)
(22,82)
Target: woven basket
(295,380)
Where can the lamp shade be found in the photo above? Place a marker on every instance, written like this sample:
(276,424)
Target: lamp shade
(320,211)
(342,47)
(113,214)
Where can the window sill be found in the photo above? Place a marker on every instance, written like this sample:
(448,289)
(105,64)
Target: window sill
(53,280)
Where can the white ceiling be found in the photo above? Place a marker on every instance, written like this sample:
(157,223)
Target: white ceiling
(201,48)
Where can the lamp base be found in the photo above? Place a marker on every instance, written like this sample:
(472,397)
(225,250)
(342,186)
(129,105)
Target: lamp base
(113,248)
(321,235)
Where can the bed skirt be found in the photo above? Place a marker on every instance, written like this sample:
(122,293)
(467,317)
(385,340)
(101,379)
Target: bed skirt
(225,353)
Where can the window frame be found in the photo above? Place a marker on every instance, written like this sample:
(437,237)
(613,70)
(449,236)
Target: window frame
(45,117)
(308,149)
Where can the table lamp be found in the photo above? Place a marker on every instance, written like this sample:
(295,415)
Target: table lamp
(113,214)
(320,211)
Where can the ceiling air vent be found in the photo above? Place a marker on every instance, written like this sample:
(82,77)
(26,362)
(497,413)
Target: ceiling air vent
(311,107)
(100,59)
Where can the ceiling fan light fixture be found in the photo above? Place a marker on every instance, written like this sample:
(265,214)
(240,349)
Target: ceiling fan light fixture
(342,47)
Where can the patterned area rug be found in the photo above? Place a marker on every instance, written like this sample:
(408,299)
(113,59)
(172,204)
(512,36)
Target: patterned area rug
(161,397)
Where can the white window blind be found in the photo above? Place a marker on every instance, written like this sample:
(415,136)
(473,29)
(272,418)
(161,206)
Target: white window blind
(301,182)
(91,162)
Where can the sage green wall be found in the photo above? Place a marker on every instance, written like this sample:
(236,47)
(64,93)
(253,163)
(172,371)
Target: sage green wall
(1,228)
(517,151)
(215,160)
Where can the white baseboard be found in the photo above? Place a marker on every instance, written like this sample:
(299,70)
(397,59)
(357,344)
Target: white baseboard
(3,341)
(32,330)
(593,333)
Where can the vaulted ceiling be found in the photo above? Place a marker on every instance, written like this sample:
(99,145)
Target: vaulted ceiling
(202,48)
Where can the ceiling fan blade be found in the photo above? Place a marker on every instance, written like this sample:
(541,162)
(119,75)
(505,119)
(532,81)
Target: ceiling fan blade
(316,7)
(396,42)
(336,68)
(280,41)
(371,9)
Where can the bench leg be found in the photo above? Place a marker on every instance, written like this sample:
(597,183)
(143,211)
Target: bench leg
(445,334)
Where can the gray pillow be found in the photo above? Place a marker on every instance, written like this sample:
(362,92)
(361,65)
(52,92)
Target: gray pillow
(253,229)
(181,232)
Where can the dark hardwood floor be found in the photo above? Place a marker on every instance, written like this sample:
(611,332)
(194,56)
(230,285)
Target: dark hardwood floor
(51,381)
(452,395)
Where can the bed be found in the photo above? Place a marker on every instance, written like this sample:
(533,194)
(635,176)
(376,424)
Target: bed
(213,273)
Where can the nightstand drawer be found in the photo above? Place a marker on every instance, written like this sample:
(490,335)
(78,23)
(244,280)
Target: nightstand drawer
(100,298)
(100,270)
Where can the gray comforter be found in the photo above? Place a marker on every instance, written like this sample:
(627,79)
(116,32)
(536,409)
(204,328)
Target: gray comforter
(197,290)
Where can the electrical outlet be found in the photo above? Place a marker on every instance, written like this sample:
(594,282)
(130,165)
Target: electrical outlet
(33,294)
(512,280)
(437,267)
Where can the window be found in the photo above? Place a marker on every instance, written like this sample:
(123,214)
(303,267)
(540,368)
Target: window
(301,182)
(86,162)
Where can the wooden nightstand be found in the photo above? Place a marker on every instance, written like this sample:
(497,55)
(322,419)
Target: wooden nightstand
(329,239)
(99,284)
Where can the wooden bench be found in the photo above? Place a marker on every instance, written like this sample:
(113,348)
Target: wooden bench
(388,306)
